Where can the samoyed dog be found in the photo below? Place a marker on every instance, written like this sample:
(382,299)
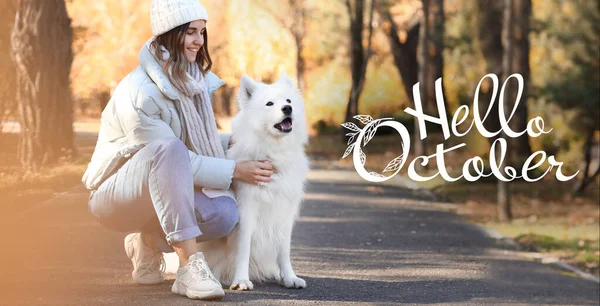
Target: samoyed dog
(269,126)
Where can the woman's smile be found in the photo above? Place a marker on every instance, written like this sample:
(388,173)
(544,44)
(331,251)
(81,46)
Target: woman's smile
(191,53)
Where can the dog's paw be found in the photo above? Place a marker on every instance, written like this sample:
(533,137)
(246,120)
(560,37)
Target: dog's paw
(241,285)
(294,282)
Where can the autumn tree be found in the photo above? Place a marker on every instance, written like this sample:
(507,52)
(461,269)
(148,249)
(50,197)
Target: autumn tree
(298,30)
(488,22)
(292,16)
(492,22)
(108,36)
(7,68)
(402,26)
(576,83)
(359,57)
(41,45)
(503,191)
(519,35)
(430,58)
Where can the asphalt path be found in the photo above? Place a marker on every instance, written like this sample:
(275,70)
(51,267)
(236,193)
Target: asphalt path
(354,243)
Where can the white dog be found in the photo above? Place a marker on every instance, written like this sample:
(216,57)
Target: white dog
(270,126)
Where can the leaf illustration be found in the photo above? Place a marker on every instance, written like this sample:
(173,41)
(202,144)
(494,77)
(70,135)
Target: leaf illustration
(348,150)
(394,164)
(364,119)
(376,174)
(352,138)
(351,126)
(370,132)
(351,134)
(363,157)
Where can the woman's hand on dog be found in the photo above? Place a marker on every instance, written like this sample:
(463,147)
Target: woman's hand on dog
(253,172)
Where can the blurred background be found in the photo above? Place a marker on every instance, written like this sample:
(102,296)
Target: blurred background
(63,58)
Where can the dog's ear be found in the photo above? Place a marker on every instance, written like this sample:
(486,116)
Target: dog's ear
(285,79)
(247,88)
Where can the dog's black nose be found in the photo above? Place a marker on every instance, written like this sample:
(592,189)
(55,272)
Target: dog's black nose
(287,109)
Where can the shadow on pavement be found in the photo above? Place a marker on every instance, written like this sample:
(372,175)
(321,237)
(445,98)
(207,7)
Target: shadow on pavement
(352,243)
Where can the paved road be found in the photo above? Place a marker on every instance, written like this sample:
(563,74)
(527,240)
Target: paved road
(354,243)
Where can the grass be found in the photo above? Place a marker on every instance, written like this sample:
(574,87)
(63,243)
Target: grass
(539,242)
(546,218)
(580,252)
(576,244)
(18,190)
(547,227)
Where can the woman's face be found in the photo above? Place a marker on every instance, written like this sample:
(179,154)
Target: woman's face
(194,39)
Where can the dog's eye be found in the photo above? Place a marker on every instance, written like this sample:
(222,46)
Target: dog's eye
(270,103)
(288,100)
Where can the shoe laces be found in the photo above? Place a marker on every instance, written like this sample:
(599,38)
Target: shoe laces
(157,263)
(203,270)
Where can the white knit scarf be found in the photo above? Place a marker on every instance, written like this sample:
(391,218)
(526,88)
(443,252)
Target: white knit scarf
(200,132)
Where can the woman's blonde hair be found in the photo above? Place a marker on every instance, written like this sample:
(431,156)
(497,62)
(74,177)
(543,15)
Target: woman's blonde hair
(177,64)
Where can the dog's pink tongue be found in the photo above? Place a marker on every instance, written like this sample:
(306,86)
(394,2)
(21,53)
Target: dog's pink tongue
(286,125)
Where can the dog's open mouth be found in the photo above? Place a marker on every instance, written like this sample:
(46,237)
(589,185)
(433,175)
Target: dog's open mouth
(284,126)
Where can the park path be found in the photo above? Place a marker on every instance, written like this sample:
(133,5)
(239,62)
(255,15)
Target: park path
(355,242)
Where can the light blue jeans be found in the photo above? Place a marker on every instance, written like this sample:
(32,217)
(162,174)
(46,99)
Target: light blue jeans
(153,192)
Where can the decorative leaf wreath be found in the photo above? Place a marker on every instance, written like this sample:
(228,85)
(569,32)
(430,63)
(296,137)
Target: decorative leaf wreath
(369,133)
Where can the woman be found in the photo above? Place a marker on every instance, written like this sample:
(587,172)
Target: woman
(159,167)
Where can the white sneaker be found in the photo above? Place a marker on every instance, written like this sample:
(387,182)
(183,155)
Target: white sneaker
(148,263)
(195,280)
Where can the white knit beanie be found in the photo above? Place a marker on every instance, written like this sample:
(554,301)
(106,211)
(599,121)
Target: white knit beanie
(166,15)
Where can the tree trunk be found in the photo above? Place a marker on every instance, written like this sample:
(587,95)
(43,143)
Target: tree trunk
(7,85)
(359,59)
(489,32)
(405,57)
(41,45)
(356,55)
(299,32)
(423,74)
(435,51)
(504,209)
(520,147)
(405,60)
(587,178)
(431,60)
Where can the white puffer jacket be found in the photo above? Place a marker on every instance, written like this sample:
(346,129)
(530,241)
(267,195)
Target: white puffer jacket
(144,107)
